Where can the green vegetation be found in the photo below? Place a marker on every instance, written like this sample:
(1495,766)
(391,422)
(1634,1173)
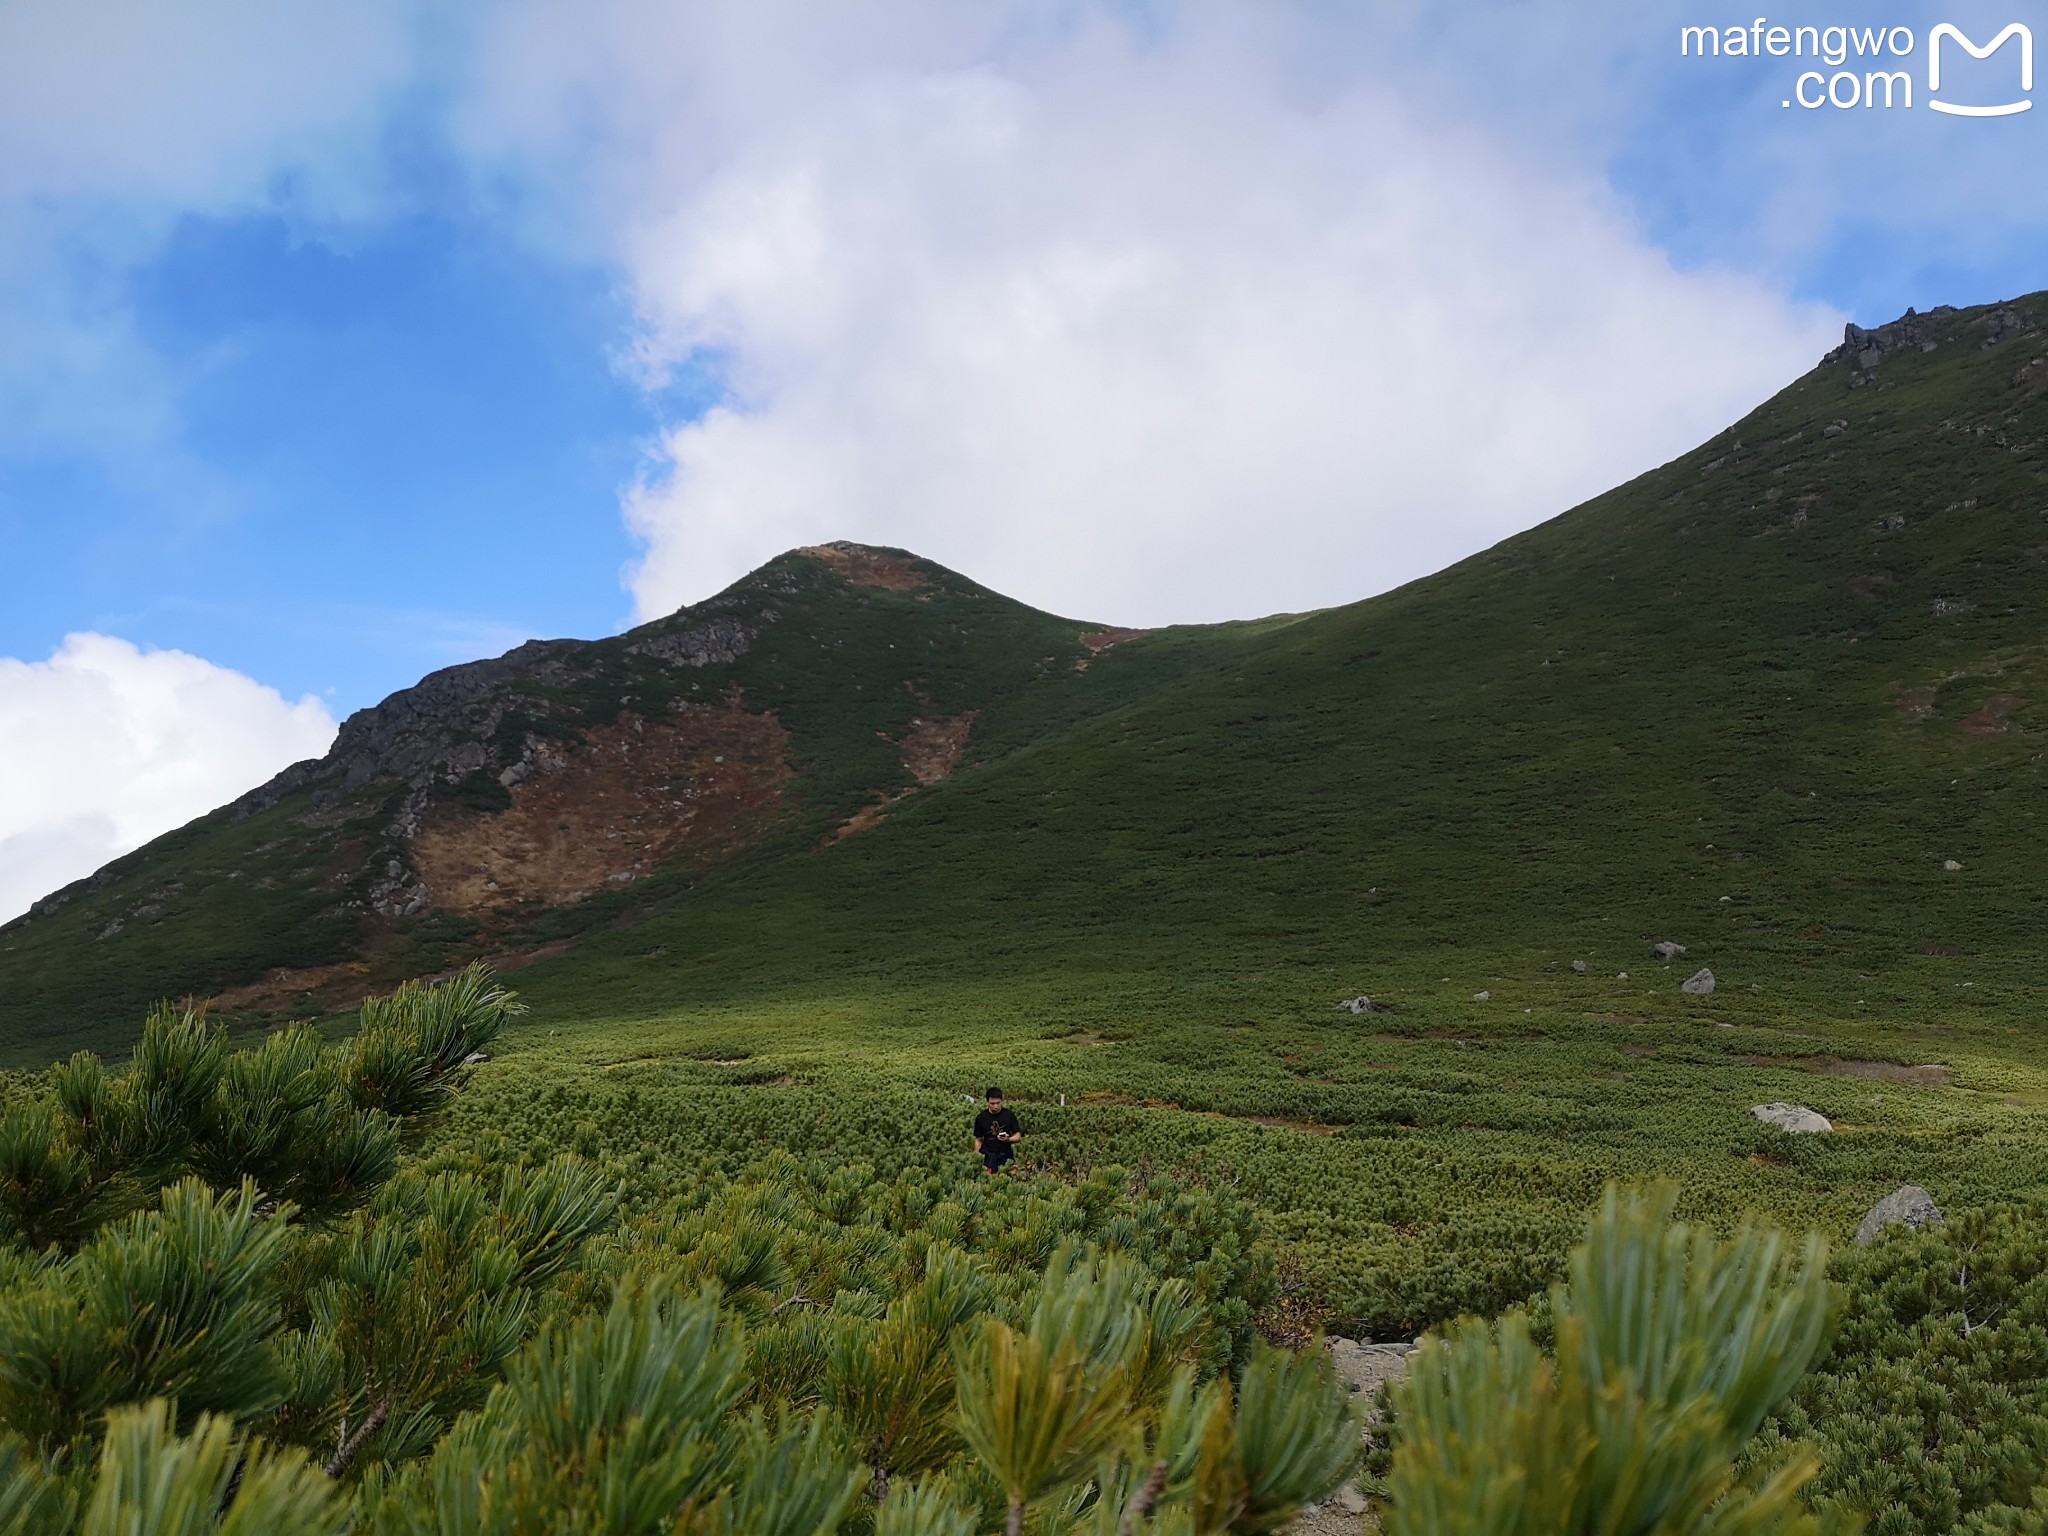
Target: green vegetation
(785,1349)
(1779,701)
(1670,1349)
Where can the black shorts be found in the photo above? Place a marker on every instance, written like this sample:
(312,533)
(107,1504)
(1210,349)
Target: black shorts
(995,1154)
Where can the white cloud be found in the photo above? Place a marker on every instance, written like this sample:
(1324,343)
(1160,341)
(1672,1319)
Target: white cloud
(1178,326)
(117,119)
(108,746)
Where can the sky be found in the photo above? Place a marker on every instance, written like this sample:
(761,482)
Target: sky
(339,344)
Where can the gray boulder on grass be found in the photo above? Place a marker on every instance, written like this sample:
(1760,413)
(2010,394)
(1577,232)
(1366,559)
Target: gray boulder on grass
(1359,1004)
(1699,983)
(1909,1206)
(1667,951)
(1795,1118)
(1578,967)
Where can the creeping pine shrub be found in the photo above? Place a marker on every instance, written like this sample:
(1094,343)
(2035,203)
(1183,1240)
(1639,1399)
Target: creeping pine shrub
(1930,1411)
(1671,1346)
(444,1345)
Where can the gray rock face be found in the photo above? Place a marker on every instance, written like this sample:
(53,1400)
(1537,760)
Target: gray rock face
(1667,951)
(720,641)
(1699,984)
(1911,332)
(2000,324)
(1908,1206)
(1794,1118)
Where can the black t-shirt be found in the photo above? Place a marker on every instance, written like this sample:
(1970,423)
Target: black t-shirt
(986,1126)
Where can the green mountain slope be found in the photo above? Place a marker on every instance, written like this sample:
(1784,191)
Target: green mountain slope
(506,807)
(1753,701)
(1756,701)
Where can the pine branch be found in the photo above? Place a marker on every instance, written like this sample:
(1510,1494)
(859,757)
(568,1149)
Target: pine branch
(350,1448)
(1148,1495)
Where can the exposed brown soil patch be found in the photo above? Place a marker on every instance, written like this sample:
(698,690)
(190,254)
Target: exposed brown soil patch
(933,748)
(704,783)
(865,567)
(862,820)
(519,960)
(1991,720)
(1915,703)
(1929,1076)
(314,989)
(1100,640)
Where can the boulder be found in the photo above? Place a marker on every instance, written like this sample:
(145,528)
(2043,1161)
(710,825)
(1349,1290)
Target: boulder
(1578,967)
(1796,1119)
(1699,984)
(1359,1004)
(1667,951)
(1480,997)
(1909,1206)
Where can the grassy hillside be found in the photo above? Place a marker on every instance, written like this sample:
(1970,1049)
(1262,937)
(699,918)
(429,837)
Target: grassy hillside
(1756,702)
(506,807)
(1780,701)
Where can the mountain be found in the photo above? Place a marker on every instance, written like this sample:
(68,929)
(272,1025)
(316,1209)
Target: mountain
(506,806)
(1781,699)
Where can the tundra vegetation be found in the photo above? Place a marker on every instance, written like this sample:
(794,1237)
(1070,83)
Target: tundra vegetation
(298,1284)
(1781,701)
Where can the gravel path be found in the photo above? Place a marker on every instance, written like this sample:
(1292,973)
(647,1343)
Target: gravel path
(1363,1367)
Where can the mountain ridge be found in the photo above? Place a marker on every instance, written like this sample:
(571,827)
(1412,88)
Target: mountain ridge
(1861,547)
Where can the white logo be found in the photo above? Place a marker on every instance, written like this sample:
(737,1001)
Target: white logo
(1934,67)
(1866,62)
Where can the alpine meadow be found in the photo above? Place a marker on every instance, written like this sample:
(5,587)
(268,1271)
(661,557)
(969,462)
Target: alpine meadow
(550,1110)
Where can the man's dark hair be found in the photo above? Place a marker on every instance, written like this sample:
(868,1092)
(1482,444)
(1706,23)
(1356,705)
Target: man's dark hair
(993,1093)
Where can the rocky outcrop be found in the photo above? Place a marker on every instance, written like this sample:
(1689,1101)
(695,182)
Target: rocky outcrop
(1795,1119)
(702,645)
(1907,1206)
(1911,332)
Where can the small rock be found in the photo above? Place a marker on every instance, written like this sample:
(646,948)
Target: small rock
(1727,898)
(1351,1500)
(1359,1004)
(1951,865)
(1909,1206)
(1480,997)
(1578,967)
(1622,976)
(1699,984)
(1834,429)
(1795,1118)
(1667,951)
(476,1058)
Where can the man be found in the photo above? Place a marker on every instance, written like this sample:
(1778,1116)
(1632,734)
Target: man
(996,1133)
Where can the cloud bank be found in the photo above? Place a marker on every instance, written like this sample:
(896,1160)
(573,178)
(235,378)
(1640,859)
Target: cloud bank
(110,746)
(1141,328)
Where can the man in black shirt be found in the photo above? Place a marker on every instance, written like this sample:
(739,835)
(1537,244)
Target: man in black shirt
(996,1133)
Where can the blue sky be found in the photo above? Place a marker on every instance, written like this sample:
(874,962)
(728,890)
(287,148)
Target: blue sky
(339,346)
